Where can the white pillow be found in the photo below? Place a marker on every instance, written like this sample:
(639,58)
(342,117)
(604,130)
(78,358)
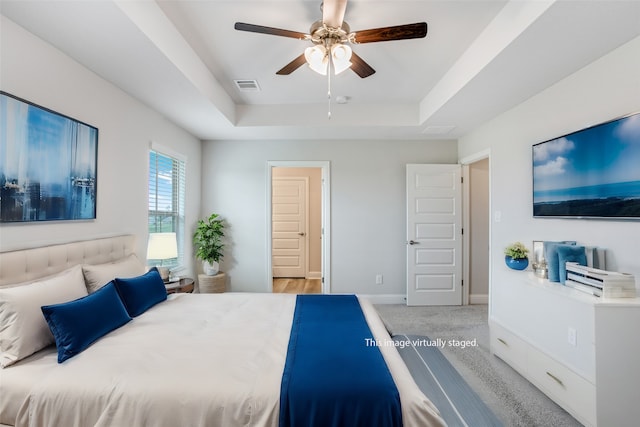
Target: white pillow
(96,276)
(23,329)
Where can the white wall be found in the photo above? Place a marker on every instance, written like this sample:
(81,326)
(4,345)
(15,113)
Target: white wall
(367,206)
(605,89)
(36,71)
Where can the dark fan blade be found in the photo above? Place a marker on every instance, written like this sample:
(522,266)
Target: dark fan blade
(399,32)
(360,67)
(333,12)
(292,66)
(268,30)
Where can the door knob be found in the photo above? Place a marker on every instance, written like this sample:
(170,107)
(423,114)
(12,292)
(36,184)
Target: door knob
(411,242)
(301,233)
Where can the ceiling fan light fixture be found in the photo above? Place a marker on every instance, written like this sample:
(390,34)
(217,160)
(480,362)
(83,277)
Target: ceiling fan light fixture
(317,59)
(341,56)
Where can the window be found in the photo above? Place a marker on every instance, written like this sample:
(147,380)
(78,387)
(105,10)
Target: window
(166,200)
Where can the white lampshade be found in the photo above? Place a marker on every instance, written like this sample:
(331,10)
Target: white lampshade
(317,58)
(341,55)
(162,246)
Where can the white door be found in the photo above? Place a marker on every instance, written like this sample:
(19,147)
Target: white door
(434,235)
(289,226)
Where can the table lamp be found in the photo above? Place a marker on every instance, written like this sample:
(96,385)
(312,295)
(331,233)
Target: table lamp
(162,246)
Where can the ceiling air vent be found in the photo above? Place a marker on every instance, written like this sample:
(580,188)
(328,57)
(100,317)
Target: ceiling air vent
(247,85)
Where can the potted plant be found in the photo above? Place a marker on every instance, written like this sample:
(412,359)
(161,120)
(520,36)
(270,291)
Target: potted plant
(516,256)
(208,242)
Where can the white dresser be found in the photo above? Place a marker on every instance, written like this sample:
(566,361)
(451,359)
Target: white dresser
(580,350)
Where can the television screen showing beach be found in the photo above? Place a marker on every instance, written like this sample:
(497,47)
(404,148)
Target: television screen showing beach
(591,173)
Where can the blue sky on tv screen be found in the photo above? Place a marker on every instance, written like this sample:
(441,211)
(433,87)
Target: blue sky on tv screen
(602,161)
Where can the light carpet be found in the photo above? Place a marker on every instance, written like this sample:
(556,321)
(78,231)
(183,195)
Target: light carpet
(514,400)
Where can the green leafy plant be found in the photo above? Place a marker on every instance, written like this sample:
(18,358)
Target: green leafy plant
(516,251)
(208,239)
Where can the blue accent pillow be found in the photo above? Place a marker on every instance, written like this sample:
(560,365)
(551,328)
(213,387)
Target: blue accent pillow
(141,293)
(568,253)
(79,323)
(551,256)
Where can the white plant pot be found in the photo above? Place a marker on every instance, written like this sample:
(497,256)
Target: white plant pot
(210,269)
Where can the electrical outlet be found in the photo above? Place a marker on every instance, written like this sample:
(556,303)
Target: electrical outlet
(572,336)
(378,279)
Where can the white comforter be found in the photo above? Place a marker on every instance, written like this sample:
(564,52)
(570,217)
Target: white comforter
(194,360)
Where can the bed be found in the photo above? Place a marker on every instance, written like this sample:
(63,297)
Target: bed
(188,360)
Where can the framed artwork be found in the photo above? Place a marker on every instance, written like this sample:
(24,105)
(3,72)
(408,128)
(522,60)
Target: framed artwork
(48,164)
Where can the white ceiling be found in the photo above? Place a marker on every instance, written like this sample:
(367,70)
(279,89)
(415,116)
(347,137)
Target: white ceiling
(479,59)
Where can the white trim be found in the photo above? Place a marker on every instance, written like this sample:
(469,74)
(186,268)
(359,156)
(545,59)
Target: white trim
(167,151)
(325,165)
(385,298)
(480,155)
(466,238)
(479,299)
(314,275)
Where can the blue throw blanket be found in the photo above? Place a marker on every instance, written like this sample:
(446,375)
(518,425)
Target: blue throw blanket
(333,375)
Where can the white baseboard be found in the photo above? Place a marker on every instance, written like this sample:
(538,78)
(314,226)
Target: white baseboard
(314,275)
(402,299)
(385,299)
(478,299)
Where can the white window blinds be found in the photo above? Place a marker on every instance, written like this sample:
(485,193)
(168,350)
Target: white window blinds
(166,199)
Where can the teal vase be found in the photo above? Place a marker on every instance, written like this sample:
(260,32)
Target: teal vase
(516,264)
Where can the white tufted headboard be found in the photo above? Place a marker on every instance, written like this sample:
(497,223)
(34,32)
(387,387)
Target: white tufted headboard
(29,264)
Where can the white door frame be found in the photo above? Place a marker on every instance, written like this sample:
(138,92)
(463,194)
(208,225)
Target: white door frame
(326,217)
(466,243)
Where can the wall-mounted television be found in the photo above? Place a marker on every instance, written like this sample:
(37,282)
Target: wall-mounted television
(591,173)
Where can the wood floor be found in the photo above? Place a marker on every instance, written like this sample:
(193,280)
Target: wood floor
(297,286)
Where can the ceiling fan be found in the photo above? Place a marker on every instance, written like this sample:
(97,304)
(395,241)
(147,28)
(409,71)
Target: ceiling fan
(330,37)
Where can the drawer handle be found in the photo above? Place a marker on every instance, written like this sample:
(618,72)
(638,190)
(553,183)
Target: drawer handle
(503,342)
(556,379)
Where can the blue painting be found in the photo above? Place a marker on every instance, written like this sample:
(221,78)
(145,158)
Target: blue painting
(594,172)
(47,164)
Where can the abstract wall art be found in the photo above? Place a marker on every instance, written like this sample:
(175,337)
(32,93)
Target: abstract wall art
(48,164)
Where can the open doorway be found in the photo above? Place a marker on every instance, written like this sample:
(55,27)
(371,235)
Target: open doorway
(477,236)
(297,235)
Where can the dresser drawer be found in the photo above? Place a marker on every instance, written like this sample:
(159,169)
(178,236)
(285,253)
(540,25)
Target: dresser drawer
(571,391)
(508,347)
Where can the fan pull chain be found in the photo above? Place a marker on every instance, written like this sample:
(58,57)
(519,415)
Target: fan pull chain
(329,90)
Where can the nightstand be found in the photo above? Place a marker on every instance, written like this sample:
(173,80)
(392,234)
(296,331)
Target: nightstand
(212,284)
(184,285)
